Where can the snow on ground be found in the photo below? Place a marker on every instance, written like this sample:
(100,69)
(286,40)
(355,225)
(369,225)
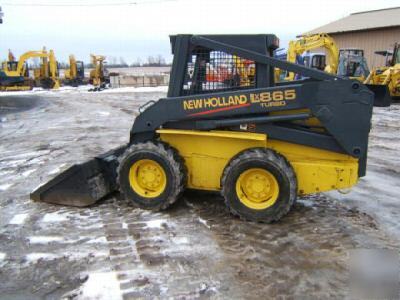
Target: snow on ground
(136,89)
(84,89)
(18,219)
(5,186)
(44,239)
(100,286)
(155,223)
(57,169)
(204,222)
(34,257)
(55,217)
(29,172)
(195,249)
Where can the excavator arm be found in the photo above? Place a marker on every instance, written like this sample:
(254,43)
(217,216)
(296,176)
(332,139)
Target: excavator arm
(97,74)
(20,70)
(311,42)
(11,56)
(71,73)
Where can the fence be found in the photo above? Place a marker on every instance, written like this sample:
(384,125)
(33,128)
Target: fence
(138,81)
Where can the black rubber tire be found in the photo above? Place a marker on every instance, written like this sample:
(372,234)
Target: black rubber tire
(172,164)
(271,161)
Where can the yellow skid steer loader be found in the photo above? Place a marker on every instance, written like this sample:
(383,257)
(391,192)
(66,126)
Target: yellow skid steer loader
(259,143)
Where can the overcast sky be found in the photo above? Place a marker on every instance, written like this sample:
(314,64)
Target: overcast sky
(142,29)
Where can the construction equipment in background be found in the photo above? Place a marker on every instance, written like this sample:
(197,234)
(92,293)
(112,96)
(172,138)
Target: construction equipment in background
(344,62)
(46,75)
(98,76)
(353,64)
(260,144)
(75,74)
(349,63)
(14,75)
(390,74)
(310,42)
(12,64)
(241,70)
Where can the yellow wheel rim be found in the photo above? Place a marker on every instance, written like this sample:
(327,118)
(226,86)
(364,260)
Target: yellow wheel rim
(147,178)
(257,188)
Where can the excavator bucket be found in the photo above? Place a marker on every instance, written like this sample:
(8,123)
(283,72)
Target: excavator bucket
(82,184)
(382,95)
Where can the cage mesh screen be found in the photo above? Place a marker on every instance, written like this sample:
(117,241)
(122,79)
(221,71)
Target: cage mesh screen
(209,71)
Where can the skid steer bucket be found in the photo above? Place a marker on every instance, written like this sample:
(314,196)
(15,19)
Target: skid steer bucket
(82,184)
(382,95)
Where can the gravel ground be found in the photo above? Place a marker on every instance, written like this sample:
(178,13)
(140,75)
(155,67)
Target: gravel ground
(196,249)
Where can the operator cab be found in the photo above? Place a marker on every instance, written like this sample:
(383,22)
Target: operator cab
(315,61)
(311,60)
(13,66)
(391,57)
(80,69)
(352,63)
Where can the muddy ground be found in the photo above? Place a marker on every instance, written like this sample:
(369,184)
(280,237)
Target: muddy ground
(196,249)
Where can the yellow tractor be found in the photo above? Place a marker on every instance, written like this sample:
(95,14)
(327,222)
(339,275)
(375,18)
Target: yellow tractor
(390,74)
(75,74)
(258,143)
(46,75)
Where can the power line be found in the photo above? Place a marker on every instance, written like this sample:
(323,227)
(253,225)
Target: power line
(86,4)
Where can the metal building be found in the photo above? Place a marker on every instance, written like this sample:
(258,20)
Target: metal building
(369,30)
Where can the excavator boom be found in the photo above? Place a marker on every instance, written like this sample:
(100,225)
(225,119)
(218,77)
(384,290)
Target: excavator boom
(311,42)
(50,66)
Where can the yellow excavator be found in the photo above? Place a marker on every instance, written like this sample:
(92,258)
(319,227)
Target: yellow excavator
(46,75)
(349,62)
(14,75)
(75,74)
(98,76)
(12,64)
(306,43)
(390,74)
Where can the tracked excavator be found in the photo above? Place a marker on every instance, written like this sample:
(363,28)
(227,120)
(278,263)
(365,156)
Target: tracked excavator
(346,62)
(390,74)
(98,76)
(75,74)
(14,75)
(310,42)
(46,75)
(259,143)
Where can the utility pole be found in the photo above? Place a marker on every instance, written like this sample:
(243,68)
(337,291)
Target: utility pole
(1,16)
